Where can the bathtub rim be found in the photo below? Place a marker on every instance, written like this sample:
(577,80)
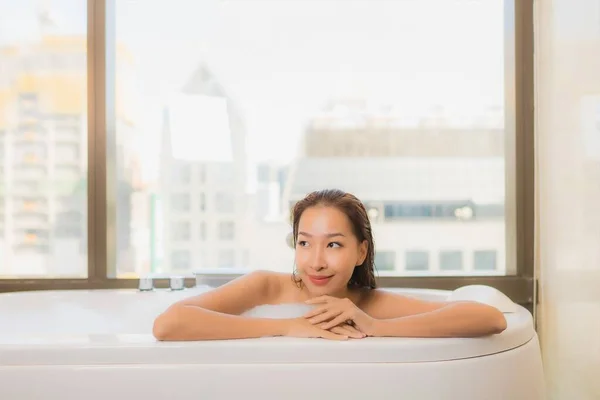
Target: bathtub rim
(102,349)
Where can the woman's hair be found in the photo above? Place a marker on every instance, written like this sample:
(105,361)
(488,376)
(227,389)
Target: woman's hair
(364,274)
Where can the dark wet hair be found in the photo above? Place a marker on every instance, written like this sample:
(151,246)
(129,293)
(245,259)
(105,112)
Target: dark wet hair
(364,274)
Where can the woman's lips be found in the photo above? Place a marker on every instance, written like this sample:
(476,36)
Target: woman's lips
(319,280)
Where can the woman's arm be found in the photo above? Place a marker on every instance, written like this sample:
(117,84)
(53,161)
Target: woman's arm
(215,314)
(397,315)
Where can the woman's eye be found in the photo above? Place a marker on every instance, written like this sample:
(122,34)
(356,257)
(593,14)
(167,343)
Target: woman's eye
(302,243)
(334,244)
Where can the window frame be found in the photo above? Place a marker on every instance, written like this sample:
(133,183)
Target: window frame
(519,156)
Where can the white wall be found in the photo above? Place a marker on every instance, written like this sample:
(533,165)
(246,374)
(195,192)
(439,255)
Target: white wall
(568,195)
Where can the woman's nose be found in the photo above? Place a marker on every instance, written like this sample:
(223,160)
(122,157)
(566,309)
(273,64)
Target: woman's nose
(318,260)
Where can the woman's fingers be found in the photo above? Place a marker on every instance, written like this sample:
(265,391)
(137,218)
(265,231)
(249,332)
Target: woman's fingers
(354,331)
(338,320)
(325,334)
(326,316)
(347,331)
(315,311)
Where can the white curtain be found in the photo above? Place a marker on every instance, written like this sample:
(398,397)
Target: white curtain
(568,194)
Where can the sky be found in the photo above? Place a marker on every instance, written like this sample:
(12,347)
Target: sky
(282,61)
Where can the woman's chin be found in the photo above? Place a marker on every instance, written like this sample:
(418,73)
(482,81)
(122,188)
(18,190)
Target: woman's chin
(330,289)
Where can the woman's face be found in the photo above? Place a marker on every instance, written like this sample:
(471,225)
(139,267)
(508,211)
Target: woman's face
(327,251)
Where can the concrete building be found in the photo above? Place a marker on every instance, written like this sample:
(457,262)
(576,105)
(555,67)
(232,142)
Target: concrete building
(43,159)
(434,188)
(355,128)
(203,180)
(440,216)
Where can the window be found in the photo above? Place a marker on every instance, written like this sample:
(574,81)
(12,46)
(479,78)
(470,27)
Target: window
(417,261)
(226,230)
(227,258)
(484,260)
(385,260)
(489,211)
(451,260)
(180,231)
(451,210)
(224,202)
(424,139)
(35,87)
(180,202)
(202,202)
(29,153)
(181,174)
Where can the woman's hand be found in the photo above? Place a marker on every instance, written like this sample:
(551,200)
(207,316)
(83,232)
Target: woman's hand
(332,312)
(302,328)
(345,330)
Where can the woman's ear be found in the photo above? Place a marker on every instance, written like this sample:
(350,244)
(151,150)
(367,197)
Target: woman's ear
(363,250)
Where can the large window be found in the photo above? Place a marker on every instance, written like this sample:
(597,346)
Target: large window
(190,143)
(43,139)
(451,261)
(402,106)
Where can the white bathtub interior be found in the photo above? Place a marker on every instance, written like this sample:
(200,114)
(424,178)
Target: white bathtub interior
(56,330)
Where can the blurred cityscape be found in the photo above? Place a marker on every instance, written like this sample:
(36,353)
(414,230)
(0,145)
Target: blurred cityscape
(434,186)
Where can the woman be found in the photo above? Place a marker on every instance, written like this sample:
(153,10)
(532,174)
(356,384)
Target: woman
(335,273)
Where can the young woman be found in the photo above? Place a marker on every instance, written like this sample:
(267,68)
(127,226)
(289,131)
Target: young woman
(335,273)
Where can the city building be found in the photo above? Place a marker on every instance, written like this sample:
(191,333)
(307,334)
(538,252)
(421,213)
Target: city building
(44,156)
(433,188)
(202,202)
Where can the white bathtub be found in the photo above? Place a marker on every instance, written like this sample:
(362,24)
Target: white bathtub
(98,345)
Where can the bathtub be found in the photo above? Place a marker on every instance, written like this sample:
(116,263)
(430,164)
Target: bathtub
(97,344)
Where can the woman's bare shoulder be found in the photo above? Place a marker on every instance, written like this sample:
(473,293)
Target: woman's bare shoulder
(282,288)
(249,290)
(385,304)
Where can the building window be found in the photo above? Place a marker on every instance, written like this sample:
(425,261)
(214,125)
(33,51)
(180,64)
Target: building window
(489,210)
(224,202)
(181,174)
(428,210)
(202,202)
(484,260)
(180,231)
(451,260)
(226,258)
(180,202)
(385,260)
(417,260)
(181,260)
(226,230)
